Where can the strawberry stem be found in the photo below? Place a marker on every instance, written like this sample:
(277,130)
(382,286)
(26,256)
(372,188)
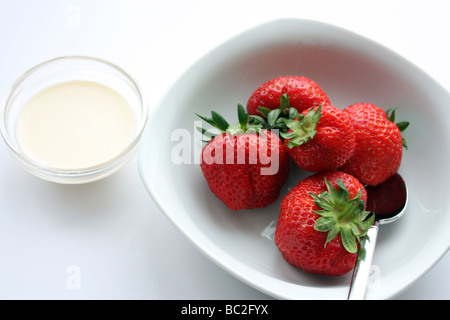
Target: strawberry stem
(303,128)
(274,119)
(341,215)
(390,113)
(218,121)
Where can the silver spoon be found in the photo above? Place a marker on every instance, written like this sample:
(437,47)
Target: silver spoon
(388,201)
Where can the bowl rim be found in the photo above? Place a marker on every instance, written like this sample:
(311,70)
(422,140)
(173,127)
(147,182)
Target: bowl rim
(61,174)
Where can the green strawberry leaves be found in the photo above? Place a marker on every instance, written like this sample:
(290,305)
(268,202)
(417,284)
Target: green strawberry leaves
(341,215)
(303,129)
(274,119)
(218,121)
(295,127)
(242,117)
(390,113)
(270,119)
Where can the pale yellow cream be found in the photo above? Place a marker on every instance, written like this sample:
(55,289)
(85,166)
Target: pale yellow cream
(74,125)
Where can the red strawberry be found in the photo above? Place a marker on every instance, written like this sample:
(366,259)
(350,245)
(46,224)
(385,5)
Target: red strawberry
(244,170)
(379,144)
(321,222)
(320,140)
(304,94)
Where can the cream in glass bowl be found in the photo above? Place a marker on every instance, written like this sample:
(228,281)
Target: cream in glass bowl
(74,119)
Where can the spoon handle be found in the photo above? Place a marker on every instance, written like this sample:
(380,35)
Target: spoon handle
(363,264)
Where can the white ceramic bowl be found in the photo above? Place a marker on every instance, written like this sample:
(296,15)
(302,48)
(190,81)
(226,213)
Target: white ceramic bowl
(350,69)
(66,69)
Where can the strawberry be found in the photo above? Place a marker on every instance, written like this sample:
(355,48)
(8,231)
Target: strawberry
(320,139)
(245,167)
(379,143)
(321,222)
(304,94)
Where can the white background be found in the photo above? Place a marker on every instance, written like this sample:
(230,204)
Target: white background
(110,233)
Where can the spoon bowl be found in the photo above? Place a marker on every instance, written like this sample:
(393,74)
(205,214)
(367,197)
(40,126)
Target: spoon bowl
(388,201)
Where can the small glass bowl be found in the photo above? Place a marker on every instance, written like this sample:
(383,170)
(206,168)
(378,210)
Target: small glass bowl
(63,69)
